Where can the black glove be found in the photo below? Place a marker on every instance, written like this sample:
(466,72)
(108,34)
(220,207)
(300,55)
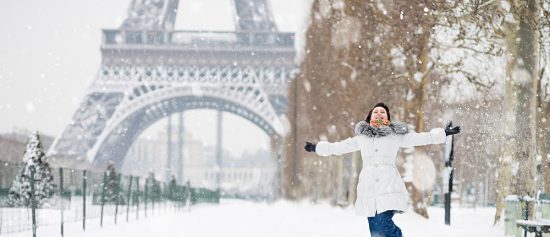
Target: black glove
(451,131)
(310,147)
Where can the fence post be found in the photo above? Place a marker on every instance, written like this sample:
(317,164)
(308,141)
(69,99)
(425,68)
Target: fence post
(1,219)
(145,195)
(137,198)
(84,200)
(33,202)
(128,202)
(117,196)
(526,212)
(178,198)
(61,202)
(153,196)
(182,197)
(102,197)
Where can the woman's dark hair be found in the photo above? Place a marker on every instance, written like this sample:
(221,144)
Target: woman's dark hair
(379,104)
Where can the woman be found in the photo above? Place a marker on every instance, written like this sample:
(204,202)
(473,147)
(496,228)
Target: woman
(381,192)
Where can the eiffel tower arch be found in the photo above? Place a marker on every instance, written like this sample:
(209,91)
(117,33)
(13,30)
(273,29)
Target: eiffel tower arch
(149,71)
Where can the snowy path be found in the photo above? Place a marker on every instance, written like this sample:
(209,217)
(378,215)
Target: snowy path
(281,219)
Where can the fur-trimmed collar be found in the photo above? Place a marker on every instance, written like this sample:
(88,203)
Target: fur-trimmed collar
(363,127)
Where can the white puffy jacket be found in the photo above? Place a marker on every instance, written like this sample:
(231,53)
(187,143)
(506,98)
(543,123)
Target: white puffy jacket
(380,186)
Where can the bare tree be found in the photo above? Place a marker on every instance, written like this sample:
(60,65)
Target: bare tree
(522,70)
(413,29)
(543,92)
(361,52)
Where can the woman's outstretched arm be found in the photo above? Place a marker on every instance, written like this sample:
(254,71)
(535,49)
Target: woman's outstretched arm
(435,136)
(324,148)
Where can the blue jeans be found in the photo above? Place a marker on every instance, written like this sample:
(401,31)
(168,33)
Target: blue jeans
(381,225)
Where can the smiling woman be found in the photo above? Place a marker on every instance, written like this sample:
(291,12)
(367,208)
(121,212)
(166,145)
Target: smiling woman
(381,192)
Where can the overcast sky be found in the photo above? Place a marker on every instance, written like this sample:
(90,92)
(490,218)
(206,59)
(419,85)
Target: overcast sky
(49,54)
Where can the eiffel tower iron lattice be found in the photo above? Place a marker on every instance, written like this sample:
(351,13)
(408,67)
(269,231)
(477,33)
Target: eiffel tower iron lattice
(150,71)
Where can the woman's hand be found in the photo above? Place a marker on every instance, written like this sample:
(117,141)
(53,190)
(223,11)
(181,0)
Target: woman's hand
(451,131)
(310,147)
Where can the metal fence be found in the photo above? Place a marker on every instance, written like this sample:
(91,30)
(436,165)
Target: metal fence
(82,195)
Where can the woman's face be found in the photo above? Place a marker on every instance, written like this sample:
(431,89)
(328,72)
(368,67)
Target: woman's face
(378,113)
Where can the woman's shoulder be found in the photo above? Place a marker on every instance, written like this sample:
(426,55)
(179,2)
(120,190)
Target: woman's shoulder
(360,127)
(399,128)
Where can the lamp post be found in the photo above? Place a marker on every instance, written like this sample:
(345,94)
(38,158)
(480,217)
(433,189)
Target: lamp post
(448,175)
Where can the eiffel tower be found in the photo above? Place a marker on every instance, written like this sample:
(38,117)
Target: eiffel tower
(149,71)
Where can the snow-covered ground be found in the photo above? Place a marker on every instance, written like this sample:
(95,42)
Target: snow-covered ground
(280,219)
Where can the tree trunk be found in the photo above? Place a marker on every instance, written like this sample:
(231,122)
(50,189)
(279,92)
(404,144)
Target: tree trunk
(277,154)
(292,165)
(520,105)
(417,107)
(508,150)
(542,138)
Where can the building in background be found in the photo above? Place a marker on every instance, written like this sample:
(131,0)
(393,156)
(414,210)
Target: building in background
(251,175)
